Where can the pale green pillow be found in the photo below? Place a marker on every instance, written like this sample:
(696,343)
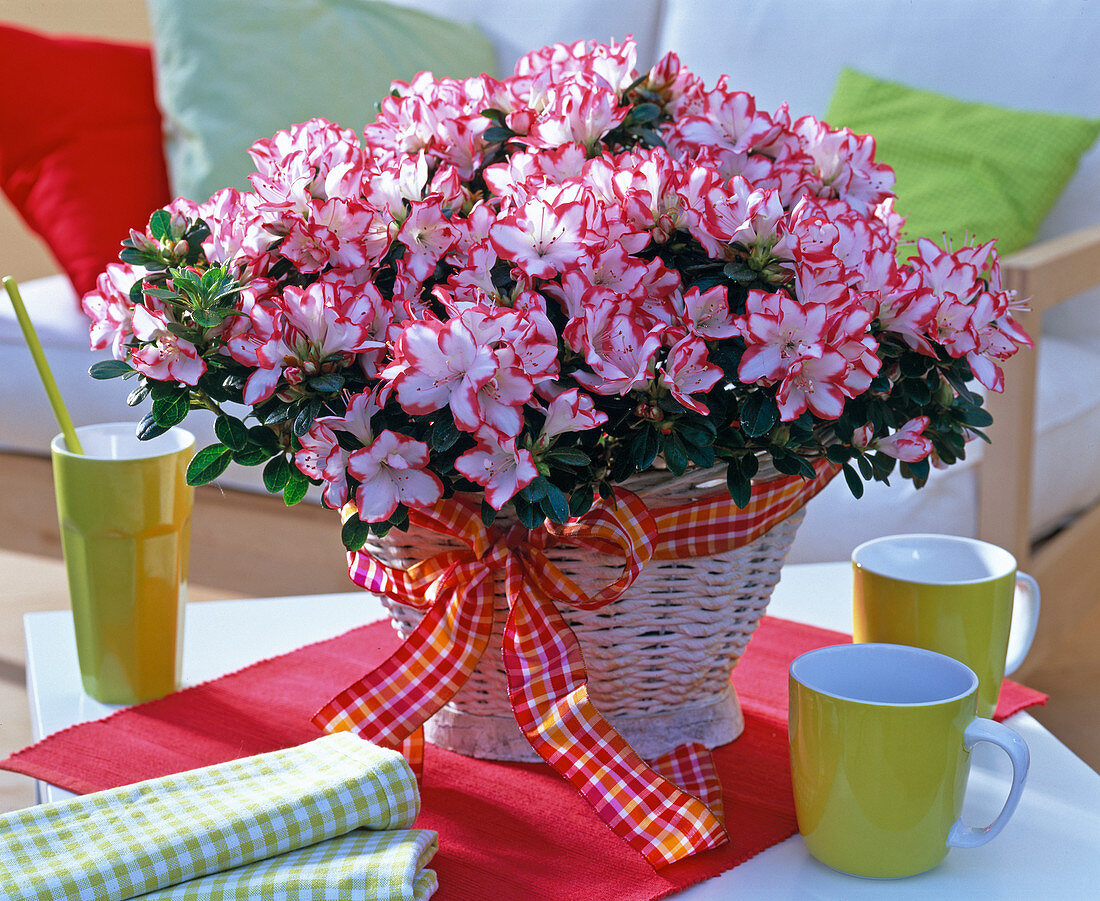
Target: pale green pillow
(230,72)
(964,168)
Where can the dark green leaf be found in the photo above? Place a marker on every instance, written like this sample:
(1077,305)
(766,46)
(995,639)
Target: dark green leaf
(695,434)
(838,453)
(354,533)
(738,272)
(327,382)
(183,331)
(250,455)
(172,409)
(674,453)
(700,456)
(759,414)
(231,432)
(140,257)
(975,416)
(568,455)
(749,465)
(882,465)
(262,436)
(580,501)
(488,514)
(644,448)
(304,420)
(160,225)
(535,490)
(276,474)
(855,483)
(277,413)
(296,487)
(497,115)
(740,488)
(381,529)
(496,133)
(148,428)
(865,468)
(914,365)
(642,113)
(109,369)
(162,293)
(208,464)
(530,516)
(206,318)
(554,503)
(919,470)
(443,433)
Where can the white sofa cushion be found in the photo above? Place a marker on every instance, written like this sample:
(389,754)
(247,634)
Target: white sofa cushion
(519,26)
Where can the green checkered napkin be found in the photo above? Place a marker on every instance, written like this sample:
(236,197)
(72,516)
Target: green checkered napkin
(118,844)
(382,866)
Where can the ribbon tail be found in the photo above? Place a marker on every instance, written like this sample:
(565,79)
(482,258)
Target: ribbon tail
(549,693)
(396,698)
(691,768)
(412,749)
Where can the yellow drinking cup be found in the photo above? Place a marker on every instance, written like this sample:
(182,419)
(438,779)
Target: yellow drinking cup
(880,739)
(124,507)
(948,594)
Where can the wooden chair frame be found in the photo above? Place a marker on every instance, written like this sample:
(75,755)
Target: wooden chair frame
(1067,564)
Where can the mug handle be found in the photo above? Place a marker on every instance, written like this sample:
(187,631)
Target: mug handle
(962,836)
(1019,646)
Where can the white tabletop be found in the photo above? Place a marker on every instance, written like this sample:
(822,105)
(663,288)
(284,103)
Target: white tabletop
(1050,848)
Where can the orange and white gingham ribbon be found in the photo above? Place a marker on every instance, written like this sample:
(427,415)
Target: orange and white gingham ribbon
(547,680)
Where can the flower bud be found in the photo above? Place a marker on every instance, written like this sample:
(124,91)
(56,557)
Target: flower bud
(945,394)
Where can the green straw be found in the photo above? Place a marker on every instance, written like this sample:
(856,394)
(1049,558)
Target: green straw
(48,382)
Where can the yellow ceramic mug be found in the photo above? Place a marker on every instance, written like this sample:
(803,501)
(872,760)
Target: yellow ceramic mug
(880,740)
(124,507)
(948,594)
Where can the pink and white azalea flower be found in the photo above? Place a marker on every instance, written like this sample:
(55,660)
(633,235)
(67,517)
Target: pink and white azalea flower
(813,383)
(541,238)
(440,364)
(909,442)
(111,310)
(498,466)
(687,372)
(164,356)
(322,457)
(392,470)
(780,333)
(570,411)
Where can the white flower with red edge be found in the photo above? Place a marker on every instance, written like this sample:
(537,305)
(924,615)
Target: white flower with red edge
(498,466)
(163,355)
(392,470)
(908,443)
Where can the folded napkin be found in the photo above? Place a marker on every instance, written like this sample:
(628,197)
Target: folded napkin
(381,866)
(253,818)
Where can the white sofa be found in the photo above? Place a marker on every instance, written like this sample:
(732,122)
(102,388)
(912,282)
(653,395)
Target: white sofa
(1028,54)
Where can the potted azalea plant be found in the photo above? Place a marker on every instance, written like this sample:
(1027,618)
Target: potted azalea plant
(540,286)
(535,288)
(516,298)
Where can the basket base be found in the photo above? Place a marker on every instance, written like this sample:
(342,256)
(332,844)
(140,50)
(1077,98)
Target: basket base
(651,735)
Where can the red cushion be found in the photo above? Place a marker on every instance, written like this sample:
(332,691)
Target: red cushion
(81,156)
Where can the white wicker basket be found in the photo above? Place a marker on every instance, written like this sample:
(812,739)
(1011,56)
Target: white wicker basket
(659,658)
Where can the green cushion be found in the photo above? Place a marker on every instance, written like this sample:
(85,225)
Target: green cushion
(230,72)
(964,169)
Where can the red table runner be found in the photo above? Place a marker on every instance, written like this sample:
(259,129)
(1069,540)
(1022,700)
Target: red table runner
(517,829)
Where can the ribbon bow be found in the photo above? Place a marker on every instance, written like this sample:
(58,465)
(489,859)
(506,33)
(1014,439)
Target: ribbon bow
(547,680)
